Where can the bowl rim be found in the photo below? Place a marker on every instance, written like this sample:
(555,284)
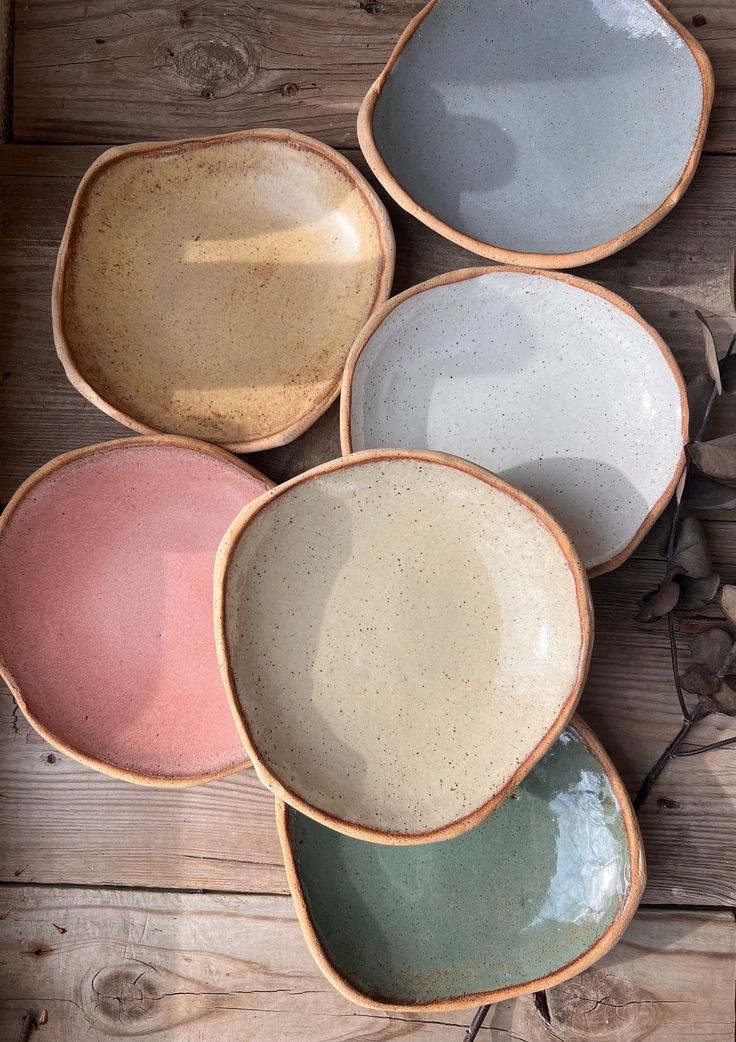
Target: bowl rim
(223,561)
(165,150)
(36,478)
(628,905)
(465,274)
(501,254)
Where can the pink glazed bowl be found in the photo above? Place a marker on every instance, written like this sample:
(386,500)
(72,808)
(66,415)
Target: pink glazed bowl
(106,633)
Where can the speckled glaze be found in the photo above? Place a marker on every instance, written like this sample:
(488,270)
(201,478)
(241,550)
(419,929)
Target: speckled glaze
(548,380)
(529,898)
(213,287)
(378,613)
(106,558)
(538,136)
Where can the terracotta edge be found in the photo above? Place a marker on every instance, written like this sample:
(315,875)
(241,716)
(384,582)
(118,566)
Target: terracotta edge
(605,942)
(585,613)
(40,475)
(508,256)
(385,270)
(461,275)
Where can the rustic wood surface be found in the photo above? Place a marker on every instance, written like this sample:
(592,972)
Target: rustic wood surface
(114,71)
(231,965)
(107,965)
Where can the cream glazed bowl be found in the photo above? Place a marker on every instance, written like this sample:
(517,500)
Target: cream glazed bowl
(213,287)
(549,380)
(412,642)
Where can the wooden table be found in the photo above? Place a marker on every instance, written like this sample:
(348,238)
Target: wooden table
(128,912)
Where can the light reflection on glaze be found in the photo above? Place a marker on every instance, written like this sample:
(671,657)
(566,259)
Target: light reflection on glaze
(519,897)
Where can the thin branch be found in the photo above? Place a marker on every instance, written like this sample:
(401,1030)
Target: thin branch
(477,1023)
(707,748)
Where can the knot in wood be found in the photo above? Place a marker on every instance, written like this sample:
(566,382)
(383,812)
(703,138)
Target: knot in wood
(598,1006)
(209,65)
(121,995)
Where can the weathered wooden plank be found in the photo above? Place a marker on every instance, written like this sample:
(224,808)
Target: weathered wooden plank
(61,822)
(201,838)
(115,72)
(163,68)
(174,966)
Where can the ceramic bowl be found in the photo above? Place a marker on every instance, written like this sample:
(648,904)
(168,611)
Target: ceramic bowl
(106,559)
(535,138)
(213,287)
(552,382)
(529,898)
(380,620)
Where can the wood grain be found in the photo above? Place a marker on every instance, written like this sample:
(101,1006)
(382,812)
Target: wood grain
(163,68)
(221,836)
(116,964)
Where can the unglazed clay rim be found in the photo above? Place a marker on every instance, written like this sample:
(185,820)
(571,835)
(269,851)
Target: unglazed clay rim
(40,475)
(610,937)
(502,254)
(461,275)
(223,561)
(165,149)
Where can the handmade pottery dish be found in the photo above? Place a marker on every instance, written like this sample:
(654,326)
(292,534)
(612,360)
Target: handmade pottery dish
(407,603)
(106,557)
(550,381)
(532,138)
(529,898)
(213,287)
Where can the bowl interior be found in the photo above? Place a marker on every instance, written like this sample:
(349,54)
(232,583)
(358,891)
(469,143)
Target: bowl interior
(382,613)
(106,616)
(552,385)
(516,899)
(213,289)
(540,133)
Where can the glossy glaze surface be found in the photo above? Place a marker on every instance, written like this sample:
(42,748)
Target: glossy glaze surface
(378,614)
(564,392)
(537,130)
(106,608)
(516,899)
(213,288)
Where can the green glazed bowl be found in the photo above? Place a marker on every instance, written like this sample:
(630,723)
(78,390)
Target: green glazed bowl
(532,896)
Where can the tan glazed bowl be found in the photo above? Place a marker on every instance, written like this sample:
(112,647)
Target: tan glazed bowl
(412,642)
(213,287)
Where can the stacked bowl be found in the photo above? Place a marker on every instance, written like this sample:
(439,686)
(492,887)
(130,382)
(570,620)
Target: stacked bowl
(401,635)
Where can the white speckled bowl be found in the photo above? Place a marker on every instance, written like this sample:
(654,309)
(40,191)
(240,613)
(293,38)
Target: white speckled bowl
(402,636)
(541,133)
(548,380)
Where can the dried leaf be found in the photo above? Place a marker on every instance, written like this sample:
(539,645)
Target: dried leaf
(721,701)
(711,647)
(696,593)
(660,602)
(716,458)
(680,486)
(703,493)
(42,1018)
(732,279)
(699,680)
(711,354)
(728,602)
(691,556)
(699,391)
